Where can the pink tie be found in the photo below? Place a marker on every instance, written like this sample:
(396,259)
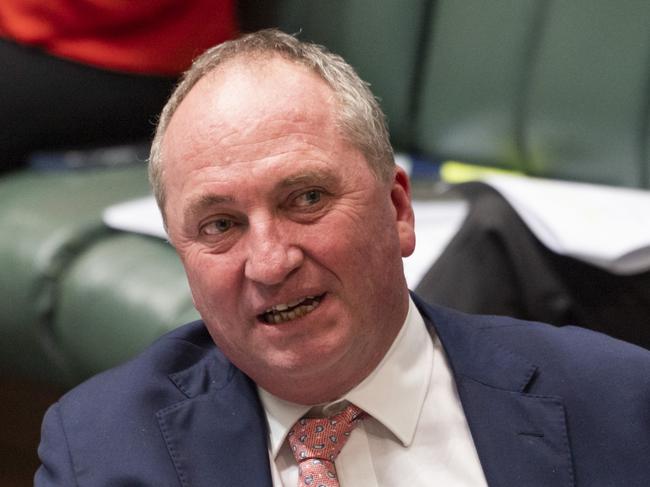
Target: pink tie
(316,442)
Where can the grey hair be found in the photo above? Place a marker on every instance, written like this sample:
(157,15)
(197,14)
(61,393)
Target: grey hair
(360,117)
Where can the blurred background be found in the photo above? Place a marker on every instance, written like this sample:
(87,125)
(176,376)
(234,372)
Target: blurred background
(525,125)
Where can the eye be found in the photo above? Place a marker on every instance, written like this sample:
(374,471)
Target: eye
(218,226)
(309,198)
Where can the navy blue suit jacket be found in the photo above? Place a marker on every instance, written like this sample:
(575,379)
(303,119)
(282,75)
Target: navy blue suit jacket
(546,407)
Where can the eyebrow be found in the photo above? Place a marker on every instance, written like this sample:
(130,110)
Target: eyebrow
(197,205)
(308,177)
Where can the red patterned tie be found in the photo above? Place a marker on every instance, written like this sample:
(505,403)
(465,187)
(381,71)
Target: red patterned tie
(316,442)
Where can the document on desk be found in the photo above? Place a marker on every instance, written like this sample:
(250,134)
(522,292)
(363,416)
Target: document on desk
(603,225)
(436,223)
(136,216)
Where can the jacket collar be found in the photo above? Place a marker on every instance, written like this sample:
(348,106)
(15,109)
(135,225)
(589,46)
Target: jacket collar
(521,437)
(216,434)
(472,352)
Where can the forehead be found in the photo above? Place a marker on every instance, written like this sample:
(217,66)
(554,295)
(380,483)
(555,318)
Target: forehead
(243,101)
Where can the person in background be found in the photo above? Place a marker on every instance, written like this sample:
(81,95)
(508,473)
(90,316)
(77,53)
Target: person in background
(82,74)
(313,365)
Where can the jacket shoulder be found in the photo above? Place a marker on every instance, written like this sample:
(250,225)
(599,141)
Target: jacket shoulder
(110,421)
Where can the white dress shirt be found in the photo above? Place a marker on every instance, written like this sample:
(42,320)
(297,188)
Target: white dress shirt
(416,435)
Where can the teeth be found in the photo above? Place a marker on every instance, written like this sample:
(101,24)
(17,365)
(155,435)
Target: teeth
(290,311)
(291,304)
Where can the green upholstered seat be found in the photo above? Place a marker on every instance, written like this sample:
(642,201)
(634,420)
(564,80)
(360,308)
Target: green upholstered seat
(588,100)
(116,298)
(472,80)
(46,220)
(556,89)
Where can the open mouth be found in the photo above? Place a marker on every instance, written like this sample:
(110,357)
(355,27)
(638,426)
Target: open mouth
(281,313)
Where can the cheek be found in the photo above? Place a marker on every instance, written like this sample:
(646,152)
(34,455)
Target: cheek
(374,254)
(374,235)
(355,249)
(212,281)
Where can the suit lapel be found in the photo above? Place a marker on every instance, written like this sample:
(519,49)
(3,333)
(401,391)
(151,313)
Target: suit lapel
(216,436)
(521,438)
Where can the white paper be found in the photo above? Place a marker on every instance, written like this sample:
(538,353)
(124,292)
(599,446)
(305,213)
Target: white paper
(136,216)
(436,223)
(603,225)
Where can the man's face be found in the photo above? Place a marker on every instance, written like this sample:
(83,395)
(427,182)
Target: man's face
(291,245)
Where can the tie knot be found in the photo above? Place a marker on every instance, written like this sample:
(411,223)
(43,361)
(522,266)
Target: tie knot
(323,438)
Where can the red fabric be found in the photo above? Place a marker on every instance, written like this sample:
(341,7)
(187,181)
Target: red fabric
(152,36)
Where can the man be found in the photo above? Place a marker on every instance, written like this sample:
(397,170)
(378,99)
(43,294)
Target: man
(272,168)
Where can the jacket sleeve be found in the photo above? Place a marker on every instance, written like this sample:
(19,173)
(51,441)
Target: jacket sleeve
(56,462)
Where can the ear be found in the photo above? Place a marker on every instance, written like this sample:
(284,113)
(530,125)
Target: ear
(405,220)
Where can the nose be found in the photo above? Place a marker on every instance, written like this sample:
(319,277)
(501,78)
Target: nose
(272,257)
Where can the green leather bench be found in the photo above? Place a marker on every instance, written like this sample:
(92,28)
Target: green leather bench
(46,221)
(77,297)
(558,89)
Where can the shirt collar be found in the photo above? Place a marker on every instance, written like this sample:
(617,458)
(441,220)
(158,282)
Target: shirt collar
(403,373)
